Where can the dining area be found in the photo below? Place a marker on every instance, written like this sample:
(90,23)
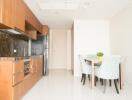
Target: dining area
(102,69)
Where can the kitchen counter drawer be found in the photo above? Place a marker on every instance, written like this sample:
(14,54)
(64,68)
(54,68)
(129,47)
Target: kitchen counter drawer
(17,78)
(17,92)
(18,67)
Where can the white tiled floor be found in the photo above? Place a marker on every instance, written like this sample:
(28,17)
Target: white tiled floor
(61,85)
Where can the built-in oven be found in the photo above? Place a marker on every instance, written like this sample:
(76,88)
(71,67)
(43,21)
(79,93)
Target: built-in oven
(26,67)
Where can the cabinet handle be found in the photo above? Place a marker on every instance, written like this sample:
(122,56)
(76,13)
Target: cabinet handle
(13,80)
(13,68)
(31,66)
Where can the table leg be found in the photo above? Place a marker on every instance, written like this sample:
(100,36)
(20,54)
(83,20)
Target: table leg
(120,76)
(92,75)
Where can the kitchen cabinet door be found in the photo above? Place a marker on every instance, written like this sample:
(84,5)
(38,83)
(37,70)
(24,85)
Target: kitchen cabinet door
(19,16)
(45,30)
(18,67)
(17,78)
(18,72)
(32,20)
(40,66)
(17,92)
(12,14)
(6,13)
(6,80)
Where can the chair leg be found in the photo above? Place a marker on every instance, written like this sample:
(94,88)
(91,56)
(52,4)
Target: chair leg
(89,77)
(104,85)
(120,76)
(120,83)
(101,81)
(95,80)
(110,82)
(84,79)
(115,82)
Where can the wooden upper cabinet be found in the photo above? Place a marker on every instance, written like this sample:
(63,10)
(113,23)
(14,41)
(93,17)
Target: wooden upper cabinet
(45,30)
(19,16)
(6,13)
(15,13)
(32,20)
(30,31)
(12,14)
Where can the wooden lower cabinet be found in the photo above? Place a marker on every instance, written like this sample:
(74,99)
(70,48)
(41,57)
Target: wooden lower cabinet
(37,66)
(11,88)
(21,89)
(17,78)
(17,92)
(6,80)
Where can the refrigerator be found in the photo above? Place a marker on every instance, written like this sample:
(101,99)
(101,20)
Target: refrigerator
(46,53)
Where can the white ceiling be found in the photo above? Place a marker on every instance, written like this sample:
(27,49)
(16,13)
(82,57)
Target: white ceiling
(61,13)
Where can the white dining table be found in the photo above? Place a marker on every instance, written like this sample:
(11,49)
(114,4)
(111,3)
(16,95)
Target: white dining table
(93,62)
(96,61)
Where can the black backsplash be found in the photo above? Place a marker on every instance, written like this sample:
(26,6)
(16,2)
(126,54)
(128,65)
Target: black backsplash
(9,42)
(37,46)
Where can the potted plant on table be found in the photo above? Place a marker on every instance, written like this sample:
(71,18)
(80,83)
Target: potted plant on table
(100,56)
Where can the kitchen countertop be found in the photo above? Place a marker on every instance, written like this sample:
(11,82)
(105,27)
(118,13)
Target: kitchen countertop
(37,56)
(11,58)
(19,58)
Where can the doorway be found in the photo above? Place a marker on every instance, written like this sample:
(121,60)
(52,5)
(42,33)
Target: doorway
(60,49)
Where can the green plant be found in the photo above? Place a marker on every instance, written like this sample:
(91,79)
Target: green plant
(100,54)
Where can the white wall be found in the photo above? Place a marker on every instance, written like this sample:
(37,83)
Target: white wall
(121,38)
(90,36)
(68,49)
(50,49)
(60,49)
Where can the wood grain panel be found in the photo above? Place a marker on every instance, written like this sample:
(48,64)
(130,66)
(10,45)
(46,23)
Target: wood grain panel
(8,91)
(18,67)
(19,15)
(6,80)
(45,30)
(17,92)
(17,78)
(1,10)
(30,31)
(6,13)
(30,18)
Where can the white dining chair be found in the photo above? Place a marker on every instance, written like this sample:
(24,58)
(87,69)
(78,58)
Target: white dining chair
(94,56)
(109,70)
(85,67)
(91,56)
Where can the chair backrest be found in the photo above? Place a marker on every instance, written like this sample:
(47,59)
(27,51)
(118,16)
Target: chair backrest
(86,69)
(123,59)
(82,61)
(91,56)
(80,58)
(110,67)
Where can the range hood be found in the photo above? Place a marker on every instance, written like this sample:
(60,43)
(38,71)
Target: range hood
(13,31)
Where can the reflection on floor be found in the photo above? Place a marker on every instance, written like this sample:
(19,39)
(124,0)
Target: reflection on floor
(61,85)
